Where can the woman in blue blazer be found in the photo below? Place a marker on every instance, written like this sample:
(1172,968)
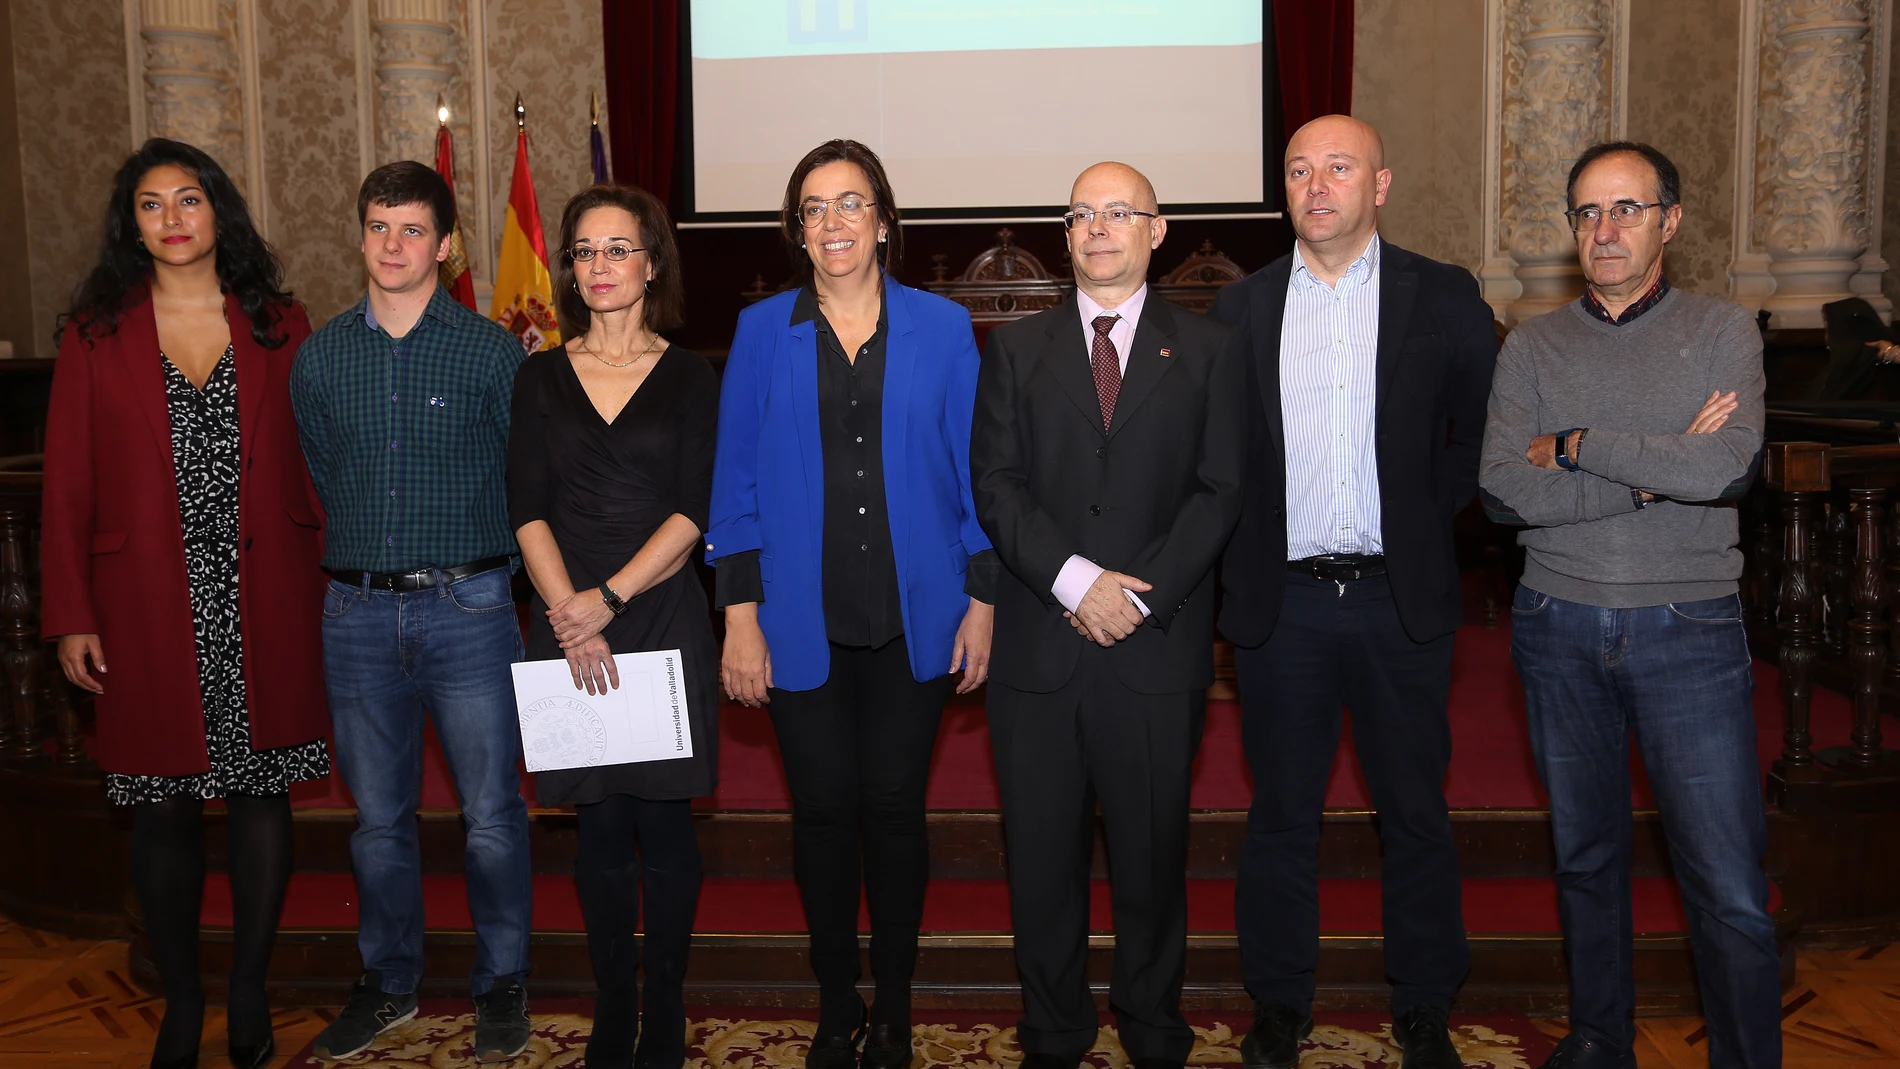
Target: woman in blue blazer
(852,571)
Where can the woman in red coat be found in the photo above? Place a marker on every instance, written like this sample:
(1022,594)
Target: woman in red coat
(180,545)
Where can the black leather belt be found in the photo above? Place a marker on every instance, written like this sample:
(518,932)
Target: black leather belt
(420,579)
(1339,567)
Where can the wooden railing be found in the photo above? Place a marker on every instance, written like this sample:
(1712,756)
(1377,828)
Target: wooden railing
(1822,596)
(40,724)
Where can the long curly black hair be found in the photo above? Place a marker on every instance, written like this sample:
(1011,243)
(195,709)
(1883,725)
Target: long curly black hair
(246,265)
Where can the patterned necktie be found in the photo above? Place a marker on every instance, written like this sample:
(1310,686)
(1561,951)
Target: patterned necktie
(1107,365)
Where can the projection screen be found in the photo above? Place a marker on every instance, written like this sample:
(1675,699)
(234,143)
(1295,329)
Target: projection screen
(978,107)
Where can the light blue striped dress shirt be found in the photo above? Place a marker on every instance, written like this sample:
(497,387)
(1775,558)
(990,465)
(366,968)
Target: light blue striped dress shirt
(1329,348)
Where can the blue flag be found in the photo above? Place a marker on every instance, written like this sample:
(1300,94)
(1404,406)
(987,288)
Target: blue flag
(599,152)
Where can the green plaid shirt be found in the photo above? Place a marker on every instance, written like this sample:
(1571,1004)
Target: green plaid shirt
(407,438)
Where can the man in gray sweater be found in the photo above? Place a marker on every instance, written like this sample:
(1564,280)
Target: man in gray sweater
(1622,427)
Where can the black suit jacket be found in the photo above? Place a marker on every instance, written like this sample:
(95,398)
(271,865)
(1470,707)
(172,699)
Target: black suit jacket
(1155,496)
(1437,346)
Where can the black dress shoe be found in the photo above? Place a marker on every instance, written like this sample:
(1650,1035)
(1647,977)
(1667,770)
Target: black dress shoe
(1425,1036)
(836,1051)
(253,1057)
(1274,1041)
(1580,1052)
(887,1047)
(1049,1061)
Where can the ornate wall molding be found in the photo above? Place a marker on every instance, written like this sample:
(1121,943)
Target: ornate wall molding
(1555,84)
(1811,141)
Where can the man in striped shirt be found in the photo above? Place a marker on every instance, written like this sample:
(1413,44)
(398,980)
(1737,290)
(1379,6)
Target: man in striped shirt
(1368,368)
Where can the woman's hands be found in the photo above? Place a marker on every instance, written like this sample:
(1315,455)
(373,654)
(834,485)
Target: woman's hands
(73,651)
(745,666)
(971,654)
(592,664)
(579,617)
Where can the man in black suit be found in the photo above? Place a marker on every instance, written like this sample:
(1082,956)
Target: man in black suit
(1368,368)
(1106,460)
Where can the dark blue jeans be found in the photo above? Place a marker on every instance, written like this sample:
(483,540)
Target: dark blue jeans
(388,658)
(1678,677)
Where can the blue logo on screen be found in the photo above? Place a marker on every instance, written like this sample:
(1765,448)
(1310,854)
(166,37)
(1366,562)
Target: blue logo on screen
(811,22)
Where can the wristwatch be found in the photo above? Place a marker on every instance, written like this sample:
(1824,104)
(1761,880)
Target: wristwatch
(1564,459)
(614,601)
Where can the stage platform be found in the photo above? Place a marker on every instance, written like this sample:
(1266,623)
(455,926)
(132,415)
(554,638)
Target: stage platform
(749,942)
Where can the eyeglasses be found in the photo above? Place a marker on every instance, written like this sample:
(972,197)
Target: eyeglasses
(1625,214)
(580,254)
(1110,217)
(851,209)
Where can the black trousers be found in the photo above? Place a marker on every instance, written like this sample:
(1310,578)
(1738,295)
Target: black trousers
(1342,646)
(1057,755)
(857,757)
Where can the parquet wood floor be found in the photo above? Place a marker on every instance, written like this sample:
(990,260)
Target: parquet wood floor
(69,1004)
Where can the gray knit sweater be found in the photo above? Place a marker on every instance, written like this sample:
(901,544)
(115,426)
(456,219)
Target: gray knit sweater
(1636,387)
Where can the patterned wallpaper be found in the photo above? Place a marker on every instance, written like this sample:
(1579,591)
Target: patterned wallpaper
(1682,76)
(75,129)
(1418,76)
(550,52)
(307,59)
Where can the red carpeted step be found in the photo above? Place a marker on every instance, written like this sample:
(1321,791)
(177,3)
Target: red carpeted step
(1491,906)
(1491,757)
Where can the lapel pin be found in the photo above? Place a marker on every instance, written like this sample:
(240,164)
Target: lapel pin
(1167,352)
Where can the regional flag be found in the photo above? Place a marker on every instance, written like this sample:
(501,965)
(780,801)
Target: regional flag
(524,292)
(456,277)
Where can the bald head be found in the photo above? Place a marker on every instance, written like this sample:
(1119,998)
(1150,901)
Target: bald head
(1335,182)
(1339,132)
(1112,175)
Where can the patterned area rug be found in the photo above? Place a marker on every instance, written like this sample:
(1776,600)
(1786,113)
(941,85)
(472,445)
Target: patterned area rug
(439,1038)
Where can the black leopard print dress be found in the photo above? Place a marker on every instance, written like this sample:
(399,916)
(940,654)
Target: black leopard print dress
(205,460)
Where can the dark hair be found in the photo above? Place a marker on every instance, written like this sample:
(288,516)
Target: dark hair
(666,293)
(394,185)
(1668,182)
(247,268)
(890,252)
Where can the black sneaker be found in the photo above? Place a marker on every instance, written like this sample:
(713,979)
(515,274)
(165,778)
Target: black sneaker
(501,1022)
(369,1012)
(1274,1041)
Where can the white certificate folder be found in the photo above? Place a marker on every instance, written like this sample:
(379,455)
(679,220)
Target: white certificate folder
(645,719)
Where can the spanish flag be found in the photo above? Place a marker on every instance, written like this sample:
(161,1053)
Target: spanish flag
(524,292)
(456,277)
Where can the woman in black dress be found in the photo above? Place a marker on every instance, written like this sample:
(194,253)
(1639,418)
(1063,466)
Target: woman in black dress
(609,473)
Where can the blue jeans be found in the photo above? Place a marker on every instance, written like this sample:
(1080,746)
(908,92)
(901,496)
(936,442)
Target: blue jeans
(388,657)
(1678,676)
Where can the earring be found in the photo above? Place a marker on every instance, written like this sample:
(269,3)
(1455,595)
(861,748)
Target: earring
(577,286)
(880,239)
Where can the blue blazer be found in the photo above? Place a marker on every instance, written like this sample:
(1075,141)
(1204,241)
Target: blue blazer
(768,476)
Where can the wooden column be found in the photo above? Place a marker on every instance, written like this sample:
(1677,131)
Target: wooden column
(1800,624)
(1867,627)
(20,652)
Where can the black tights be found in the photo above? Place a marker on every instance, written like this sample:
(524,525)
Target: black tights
(168,873)
(629,846)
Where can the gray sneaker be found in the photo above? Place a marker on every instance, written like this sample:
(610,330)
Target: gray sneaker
(501,1022)
(369,1012)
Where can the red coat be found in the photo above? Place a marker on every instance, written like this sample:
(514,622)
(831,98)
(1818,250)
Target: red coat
(112,556)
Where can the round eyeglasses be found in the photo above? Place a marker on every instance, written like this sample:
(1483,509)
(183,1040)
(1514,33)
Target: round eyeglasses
(1625,214)
(580,254)
(849,208)
(1110,217)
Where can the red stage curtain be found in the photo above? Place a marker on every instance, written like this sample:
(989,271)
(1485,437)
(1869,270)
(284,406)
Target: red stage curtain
(641,38)
(1313,40)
